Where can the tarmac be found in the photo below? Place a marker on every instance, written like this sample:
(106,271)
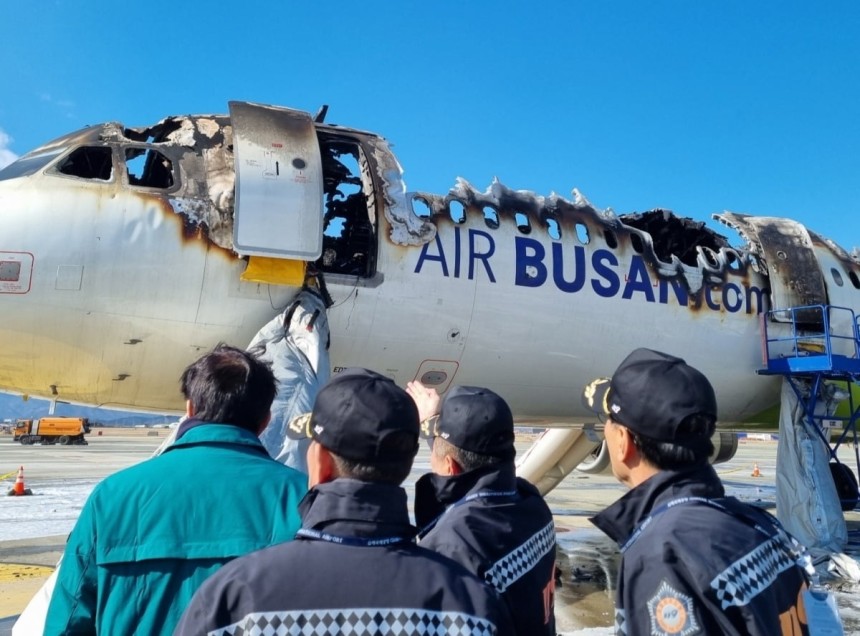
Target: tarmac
(587,559)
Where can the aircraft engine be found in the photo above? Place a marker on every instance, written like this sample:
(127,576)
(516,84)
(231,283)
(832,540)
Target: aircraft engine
(597,462)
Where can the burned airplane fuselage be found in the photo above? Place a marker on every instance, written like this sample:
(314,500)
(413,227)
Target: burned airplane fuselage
(127,251)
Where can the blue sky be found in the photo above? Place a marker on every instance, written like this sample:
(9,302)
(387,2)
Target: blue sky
(692,105)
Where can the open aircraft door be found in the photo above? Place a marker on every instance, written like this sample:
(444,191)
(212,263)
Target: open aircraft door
(796,279)
(279,182)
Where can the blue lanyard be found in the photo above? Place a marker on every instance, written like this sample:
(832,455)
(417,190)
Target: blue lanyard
(483,494)
(789,544)
(359,542)
(688,500)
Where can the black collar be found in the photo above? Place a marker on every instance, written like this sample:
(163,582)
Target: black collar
(620,519)
(349,507)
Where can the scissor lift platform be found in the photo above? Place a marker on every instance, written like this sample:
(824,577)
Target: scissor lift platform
(818,344)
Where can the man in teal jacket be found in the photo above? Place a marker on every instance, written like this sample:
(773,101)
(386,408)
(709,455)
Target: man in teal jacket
(149,535)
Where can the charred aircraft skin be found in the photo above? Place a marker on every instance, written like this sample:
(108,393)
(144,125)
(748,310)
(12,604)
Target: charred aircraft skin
(502,288)
(673,247)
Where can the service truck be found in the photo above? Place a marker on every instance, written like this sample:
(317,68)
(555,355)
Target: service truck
(52,430)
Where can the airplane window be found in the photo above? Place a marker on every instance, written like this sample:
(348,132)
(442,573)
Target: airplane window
(711,257)
(611,239)
(854,280)
(420,208)
(491,217)
(837,277)
(349,235)
(754,263)
(148,168)
(88,162)
(523,224)
(554,229)
(457,211)
(582,234)
(636,242)
(733,261)
(25,166)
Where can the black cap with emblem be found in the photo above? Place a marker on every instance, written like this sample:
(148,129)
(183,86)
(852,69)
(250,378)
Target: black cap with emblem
(354,414)
(651,393)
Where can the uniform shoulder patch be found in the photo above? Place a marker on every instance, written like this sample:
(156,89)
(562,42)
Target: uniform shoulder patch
(671,613)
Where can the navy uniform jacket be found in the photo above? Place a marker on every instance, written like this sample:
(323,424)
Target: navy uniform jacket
(695,569)
(500,528)
(327,587)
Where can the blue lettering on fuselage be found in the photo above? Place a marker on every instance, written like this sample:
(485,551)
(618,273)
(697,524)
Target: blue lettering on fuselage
(571,270)
(482,246)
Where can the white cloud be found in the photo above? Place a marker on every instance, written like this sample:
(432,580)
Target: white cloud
(6,155)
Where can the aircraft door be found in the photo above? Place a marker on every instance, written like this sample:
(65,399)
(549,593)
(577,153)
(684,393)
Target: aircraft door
(279,183)
(796,279)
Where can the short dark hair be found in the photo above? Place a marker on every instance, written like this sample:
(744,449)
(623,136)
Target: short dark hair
(230,386)
(695,449)
(392,472)
(468,460)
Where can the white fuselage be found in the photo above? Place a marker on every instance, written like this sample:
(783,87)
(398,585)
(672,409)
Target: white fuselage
(114,296)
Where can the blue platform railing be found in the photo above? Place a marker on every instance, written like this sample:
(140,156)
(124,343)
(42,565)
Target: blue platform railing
(831,346)
(817,349)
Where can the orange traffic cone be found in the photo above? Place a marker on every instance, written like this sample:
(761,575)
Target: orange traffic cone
(756,472)
(19,482)
(19,488)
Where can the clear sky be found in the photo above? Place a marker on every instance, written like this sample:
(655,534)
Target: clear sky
(692,105)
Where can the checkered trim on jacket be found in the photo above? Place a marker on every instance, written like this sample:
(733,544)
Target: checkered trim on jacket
(358,621)
(739,583)
(507,570)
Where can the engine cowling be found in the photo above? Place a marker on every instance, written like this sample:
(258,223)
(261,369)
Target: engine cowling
(725,447)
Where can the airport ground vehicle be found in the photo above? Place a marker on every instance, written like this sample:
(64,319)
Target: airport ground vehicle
(52,430)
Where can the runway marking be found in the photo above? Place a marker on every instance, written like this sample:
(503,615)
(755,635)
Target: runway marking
(18,571)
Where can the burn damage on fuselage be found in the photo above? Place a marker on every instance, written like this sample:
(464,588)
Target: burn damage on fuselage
(676,235)
(185,161)
(674,248)
(206,198)
(188,163)
(202,148)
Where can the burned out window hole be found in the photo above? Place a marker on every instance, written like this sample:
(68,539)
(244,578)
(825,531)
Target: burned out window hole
(582,234)
(673,236)
(457,211)
(852,276)
(491,217)
(755,263)
(837,277)
(710,257)
(553,228)
(420,208)
(349,234)
(611,239)
(148,168)
(733,261)
(636,242)
(88,162)
(523,223)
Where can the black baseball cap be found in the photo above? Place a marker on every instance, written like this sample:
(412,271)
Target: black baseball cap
(474,419)
(355,413)
(651,393)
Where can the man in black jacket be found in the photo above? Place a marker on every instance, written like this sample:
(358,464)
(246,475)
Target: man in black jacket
(354,566)
(475,510)
(693,560)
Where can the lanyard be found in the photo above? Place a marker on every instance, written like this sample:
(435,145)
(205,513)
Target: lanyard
(359,542)
(788,543)
(483,494)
